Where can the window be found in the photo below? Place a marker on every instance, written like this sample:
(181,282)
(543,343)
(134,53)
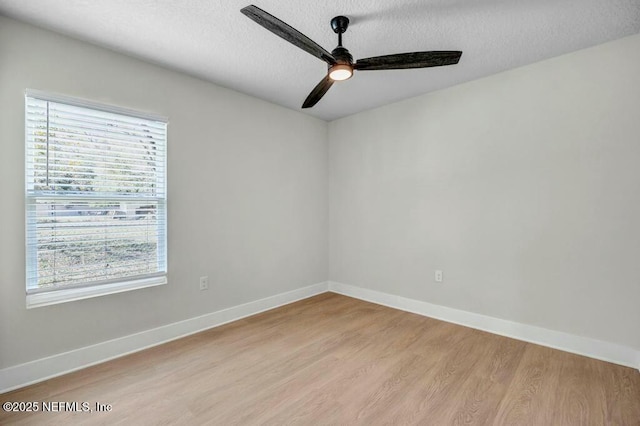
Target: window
(95,199)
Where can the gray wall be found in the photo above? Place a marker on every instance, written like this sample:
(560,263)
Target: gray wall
(246,195)
(524,187)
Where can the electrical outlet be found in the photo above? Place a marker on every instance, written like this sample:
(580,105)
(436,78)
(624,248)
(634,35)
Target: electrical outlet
(204,283)
(438,276)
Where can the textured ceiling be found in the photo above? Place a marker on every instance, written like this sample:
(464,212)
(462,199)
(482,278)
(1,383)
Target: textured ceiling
(212,40)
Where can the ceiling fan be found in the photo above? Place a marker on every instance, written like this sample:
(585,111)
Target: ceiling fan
(340,61)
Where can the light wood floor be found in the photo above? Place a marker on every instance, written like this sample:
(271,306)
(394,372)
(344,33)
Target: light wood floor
(331,359)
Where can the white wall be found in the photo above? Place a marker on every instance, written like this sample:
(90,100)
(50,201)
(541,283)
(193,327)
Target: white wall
(246,195)
(524,187)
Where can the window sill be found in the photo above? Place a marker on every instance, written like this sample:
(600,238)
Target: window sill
(54,297)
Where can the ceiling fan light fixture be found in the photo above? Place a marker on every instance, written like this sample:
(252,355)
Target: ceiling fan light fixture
(340,72)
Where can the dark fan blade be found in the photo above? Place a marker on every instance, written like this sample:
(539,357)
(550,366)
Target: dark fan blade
(288,33)
(318,92)
(408,60)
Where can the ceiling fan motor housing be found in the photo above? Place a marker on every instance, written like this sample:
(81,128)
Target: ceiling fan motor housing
(342,56)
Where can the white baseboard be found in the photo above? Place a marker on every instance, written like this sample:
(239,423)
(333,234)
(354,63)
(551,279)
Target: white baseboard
(42,369)
(589,347)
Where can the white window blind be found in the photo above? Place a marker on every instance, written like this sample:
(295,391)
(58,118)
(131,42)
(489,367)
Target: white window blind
(95,195)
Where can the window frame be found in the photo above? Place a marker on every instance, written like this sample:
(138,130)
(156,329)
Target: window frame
(43,297)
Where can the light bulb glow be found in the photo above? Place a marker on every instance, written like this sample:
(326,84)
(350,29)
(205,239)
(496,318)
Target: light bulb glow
(340,72)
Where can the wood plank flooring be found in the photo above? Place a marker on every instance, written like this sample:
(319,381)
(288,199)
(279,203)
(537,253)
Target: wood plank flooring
(331,360)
